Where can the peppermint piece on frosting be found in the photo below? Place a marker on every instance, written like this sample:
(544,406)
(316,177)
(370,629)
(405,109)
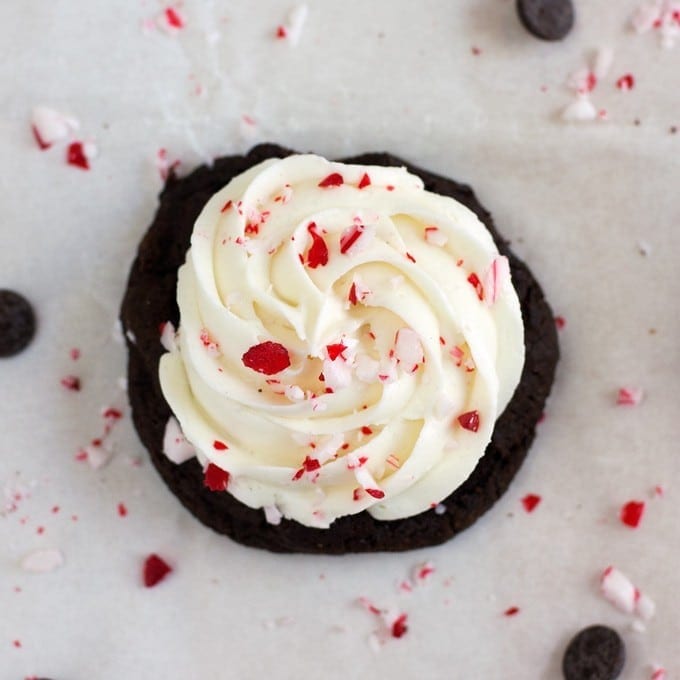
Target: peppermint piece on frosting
(175,445)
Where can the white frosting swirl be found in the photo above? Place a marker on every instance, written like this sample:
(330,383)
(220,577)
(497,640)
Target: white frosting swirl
(397,318)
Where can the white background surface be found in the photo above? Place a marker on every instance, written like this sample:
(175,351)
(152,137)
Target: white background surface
(384,75)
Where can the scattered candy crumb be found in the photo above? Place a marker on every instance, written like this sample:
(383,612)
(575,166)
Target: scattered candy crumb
(631,513)
(530,501)
(71,383)
(291,29)
(629,396)
(155,570)
(122,510)
(511,611)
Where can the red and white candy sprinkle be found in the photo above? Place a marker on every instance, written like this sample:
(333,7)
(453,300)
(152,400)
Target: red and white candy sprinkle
(168,336)
(618,589)
(175,445)
(291,30)
(629,396)
(50,126)
(530,501)
(42,561)
(272,514)
(658,673)
(495,279)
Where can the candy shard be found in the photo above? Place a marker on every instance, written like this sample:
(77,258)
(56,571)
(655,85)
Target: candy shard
(42,561)
(580,110)
(631,513)
(50,126)
(155,570)
(629,396)
(175,445)
(215,478)
(272,514)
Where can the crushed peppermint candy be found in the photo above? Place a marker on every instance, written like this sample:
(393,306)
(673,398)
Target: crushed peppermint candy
(155,570)
(618,589)
(317,255)
(631,513)
(168,336)
(626,82)
(496,279)
(662,16)
(511,611)
(171,20)
(580,110)
(393,623)
(629,396)
(50,126)
(658,673)
(42,561)
(79,154)
(435,236)
(272,514)
(291,30)
(164,165)
(268,358)
(530,501)
(408,350)
(215,478)
(335,179)
(71,383)
(469,420)
(175,445)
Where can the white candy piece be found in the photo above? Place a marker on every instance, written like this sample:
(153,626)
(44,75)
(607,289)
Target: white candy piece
(175,445)
(272,514)
(168,337)
(408,349)
(52,126)
(495,279)
(579,111)
(42,561)
(297,18)
(618,589)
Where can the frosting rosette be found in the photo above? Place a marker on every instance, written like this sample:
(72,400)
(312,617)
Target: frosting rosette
(347,341)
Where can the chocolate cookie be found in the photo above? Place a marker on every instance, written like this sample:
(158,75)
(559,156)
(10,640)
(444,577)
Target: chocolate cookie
(150,301)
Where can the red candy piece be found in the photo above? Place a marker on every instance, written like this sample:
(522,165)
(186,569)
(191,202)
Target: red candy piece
(281,32)
(76,156)
(530,501)
(511,611)
(155,570)
(366,430)
(335,350)
(474,281)
(71,382)
(333,180)
(631,513)
(41,142)
(349,238)
(219,446)
(318,253)
(215,478)
(352,297)
(469,421)
(626,82)
(122,510)
(267,357)
(173,18)
(399,627)
(365,181)
(376,493)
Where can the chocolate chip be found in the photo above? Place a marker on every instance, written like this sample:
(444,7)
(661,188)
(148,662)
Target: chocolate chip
(596,653)
(17,323)
(546,19)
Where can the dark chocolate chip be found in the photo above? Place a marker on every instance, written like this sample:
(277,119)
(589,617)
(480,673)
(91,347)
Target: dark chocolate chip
(17,323)
(546,19)
(596,653)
